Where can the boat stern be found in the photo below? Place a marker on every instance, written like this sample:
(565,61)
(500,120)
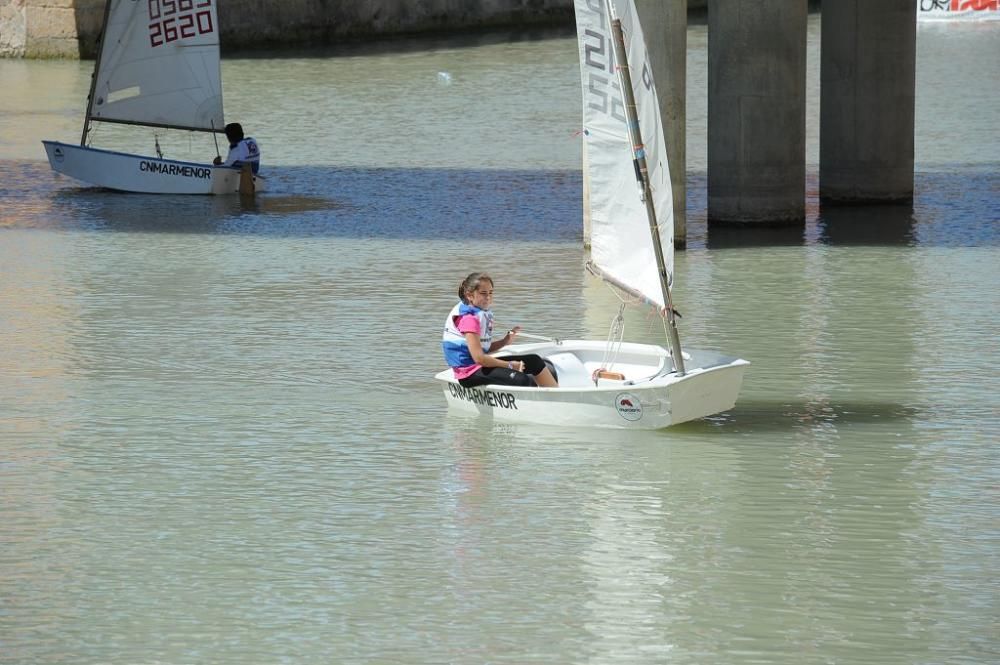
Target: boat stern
(226,180)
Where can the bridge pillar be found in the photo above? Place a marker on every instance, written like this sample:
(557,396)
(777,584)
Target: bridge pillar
(756,111)
(867,79)
(664,24)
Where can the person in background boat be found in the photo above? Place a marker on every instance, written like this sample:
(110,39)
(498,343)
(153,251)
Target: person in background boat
(468,343)
(242,150)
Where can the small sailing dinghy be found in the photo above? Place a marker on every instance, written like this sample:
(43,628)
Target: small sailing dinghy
(618,384)
(157,66)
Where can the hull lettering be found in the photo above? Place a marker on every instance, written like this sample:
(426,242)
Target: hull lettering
(200,172)
(485,397)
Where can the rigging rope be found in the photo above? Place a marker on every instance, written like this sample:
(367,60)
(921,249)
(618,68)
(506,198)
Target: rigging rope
(616,334)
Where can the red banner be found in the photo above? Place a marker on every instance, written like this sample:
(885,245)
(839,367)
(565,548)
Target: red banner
(975,5)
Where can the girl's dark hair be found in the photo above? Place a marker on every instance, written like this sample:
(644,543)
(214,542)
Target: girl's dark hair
(471,283)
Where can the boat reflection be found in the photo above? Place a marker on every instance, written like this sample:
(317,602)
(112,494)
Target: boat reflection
(104,210)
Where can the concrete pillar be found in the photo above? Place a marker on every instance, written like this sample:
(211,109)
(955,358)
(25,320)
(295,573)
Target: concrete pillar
(867,79)
(89,17)
(664,24)
(756,111)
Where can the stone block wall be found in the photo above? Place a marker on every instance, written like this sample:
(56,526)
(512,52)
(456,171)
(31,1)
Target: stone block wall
(12,28)
(38,28)
(254,23)
(70,28)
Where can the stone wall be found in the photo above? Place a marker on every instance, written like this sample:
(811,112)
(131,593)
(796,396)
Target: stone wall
(69,28)
(39,28)
(264,23)
(12,31)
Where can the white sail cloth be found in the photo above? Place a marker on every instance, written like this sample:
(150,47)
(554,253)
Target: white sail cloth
(621,244)
(159,65)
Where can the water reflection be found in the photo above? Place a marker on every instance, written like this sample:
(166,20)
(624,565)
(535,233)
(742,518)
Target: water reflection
(513,205)
(890,224)
(141,213)
(756,415)
(727,236)
(317,201)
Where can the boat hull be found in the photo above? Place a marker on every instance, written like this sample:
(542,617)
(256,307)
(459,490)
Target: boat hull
(141,174)
(652,396)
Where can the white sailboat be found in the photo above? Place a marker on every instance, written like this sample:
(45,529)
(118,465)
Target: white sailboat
(157,66)
(618,384)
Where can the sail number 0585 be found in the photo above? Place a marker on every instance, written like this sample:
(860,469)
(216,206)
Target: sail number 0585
(170,20)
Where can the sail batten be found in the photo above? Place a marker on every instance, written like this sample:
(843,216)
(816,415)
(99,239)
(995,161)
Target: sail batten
(159,66)
(620,236)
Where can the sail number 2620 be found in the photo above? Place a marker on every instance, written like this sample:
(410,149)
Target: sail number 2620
(170,20)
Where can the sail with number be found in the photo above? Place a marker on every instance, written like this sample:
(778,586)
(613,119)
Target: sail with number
(159,65)
(621,249)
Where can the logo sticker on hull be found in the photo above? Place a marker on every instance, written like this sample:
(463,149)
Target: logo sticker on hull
(628,406)
(58,155)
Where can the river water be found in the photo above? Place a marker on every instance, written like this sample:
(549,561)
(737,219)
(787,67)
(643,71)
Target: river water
(220,441)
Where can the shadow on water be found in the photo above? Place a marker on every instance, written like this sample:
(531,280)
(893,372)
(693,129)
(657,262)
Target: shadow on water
(869,225)
(835,225)
(785,416)
(730,237)
(106,210)
(398,203)
(947,210)
(747,417)
(473,204)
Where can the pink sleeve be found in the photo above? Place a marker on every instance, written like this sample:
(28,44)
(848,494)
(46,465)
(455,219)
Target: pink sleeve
(468,323)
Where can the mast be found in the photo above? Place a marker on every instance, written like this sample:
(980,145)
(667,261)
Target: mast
(93,77)
(642,175)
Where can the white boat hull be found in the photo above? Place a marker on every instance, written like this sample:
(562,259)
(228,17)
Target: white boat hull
(652,396)
(145,175)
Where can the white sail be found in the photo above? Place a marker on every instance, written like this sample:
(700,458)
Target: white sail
(621,246)
(159,65)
